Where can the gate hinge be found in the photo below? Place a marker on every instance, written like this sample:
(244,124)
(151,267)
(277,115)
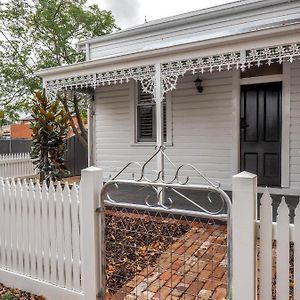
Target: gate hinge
(100,210)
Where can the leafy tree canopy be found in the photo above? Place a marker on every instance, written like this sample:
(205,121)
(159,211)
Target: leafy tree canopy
(40,34)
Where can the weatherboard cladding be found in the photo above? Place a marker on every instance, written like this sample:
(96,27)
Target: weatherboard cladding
(196,30)
(204,139)
(295,126)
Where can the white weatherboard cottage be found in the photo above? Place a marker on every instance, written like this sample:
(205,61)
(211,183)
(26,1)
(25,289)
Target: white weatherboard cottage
(247,117)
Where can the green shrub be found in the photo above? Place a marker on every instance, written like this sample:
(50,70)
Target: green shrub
(8,296)
(50,128)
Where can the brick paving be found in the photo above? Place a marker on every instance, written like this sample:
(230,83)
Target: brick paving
(193,267)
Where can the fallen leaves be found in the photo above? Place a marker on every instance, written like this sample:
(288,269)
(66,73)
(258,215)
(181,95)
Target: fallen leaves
(16,294)
(135,241)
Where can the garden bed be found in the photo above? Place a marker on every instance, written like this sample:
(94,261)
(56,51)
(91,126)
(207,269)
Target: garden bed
(274,271)
(135,241)
(16,294)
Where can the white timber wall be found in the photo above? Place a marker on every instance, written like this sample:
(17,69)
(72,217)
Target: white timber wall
(295,126)
(114,130)
(202,127)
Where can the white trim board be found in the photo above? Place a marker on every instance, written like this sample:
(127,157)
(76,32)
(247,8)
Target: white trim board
(285,123)
(236,102)
(35,286)
(261,79)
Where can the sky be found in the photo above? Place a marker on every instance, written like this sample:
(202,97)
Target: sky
(129,13)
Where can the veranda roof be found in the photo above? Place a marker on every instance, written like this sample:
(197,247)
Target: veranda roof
(271,39)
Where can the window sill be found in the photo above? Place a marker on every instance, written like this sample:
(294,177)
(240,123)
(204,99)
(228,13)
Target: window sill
(150,144)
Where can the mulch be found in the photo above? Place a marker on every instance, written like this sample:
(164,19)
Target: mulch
(16,294)
(291,271)
(291,274)
(135,241)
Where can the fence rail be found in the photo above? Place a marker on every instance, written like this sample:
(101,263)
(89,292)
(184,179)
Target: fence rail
(16,165)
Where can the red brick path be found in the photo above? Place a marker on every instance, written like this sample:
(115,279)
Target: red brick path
(194,267)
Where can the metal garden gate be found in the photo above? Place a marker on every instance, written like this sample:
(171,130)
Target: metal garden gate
(165,239)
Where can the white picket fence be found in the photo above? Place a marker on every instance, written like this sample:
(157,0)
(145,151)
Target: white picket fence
(48,238)
(52,240)
(283,233)
(40,236)
(16,165)
(273,240)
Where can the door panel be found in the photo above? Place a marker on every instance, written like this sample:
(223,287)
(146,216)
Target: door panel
(261,132)
(251,162)
(251,117)
(271,165)
(272,117)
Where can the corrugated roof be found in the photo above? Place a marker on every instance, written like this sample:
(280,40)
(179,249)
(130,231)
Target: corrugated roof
(194,16)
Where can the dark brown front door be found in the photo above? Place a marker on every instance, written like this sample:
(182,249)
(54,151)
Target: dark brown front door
(261,132)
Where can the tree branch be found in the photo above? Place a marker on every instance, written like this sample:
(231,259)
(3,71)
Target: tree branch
(79,118)
(77,133)
(17,52)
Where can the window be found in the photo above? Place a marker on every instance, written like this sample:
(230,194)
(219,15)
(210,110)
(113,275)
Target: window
(146,117)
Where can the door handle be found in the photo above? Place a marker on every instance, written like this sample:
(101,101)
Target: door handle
(243,123)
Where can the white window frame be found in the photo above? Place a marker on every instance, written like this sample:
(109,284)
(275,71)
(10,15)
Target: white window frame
(133,93)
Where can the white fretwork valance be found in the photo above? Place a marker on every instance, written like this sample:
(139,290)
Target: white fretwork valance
(171,71)
(144,74)
(239,60)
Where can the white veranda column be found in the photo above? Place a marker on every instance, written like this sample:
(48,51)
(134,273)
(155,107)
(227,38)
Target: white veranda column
(159,122)
(91,130)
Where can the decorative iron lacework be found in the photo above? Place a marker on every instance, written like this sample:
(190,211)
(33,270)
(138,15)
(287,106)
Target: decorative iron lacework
(144,74)
(171,71)
(239,60)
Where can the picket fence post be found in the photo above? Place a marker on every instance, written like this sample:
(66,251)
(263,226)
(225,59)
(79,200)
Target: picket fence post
(90,188)
(244,212)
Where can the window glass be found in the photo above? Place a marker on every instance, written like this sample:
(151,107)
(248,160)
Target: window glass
(146,117)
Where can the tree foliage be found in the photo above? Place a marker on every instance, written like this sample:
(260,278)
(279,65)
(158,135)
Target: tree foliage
(50,128)
(41,34)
